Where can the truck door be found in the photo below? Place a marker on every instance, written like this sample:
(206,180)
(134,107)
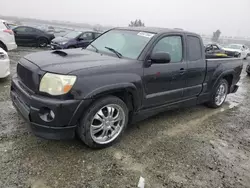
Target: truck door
(164,83)
(196,67)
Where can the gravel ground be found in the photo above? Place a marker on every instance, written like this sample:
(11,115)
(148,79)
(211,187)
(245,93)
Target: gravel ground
(193,147)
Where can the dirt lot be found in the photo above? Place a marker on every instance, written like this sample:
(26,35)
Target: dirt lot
(194,147)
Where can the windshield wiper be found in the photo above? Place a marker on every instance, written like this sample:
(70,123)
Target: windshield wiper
(96,50)
(114,51)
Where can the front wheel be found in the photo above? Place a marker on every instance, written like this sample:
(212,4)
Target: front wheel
(219,94)
(42,42)
(104,122)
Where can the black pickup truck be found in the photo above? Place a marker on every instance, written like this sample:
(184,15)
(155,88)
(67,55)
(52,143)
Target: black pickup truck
(125,75)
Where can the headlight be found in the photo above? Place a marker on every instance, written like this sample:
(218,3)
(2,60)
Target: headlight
(62,43)
(55,84)
(3,55)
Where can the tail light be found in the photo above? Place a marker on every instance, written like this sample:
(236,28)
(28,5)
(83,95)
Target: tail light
(8,31)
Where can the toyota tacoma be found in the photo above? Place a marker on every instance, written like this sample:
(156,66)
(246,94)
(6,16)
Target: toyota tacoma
(125,75)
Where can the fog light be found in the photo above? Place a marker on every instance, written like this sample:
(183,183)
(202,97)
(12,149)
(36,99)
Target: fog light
(46,114)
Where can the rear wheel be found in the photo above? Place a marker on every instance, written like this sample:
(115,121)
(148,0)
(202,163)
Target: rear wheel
(104,122)
(42,42)
(219,94)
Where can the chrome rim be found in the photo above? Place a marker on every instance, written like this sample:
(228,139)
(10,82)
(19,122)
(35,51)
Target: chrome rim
(221,94)
(107,124)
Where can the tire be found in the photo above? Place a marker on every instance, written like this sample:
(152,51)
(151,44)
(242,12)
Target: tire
(213,103)
(42,42)
(85,130)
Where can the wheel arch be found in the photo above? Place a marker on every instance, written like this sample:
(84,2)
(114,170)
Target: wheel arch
(4,46)
(128,93)
(228,76)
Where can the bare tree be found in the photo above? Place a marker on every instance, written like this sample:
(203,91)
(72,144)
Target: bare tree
(136,23)
(216,36)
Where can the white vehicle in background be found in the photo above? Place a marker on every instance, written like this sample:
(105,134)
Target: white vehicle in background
(4,64)
(237,50)
(7,38)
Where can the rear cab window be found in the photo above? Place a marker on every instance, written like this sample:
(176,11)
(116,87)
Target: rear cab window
(194,48)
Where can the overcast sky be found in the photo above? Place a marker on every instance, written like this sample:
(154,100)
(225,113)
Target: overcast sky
(204,16)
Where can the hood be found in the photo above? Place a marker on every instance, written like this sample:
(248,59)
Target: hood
(66,61)
(60,39)
(232,50)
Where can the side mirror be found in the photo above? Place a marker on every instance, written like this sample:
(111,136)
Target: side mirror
(160,58)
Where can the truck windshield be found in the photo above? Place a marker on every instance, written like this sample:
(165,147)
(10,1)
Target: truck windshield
(128,43)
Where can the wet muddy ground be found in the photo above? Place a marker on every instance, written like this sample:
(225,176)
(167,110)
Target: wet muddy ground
(193,147)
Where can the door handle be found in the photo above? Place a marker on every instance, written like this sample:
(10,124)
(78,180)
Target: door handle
(182,71)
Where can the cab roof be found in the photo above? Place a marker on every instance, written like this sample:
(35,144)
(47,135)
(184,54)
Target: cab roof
(156,30)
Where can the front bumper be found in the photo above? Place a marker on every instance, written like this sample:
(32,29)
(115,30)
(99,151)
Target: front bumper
(30,105)
(11,46)
(55,46)
(5,68)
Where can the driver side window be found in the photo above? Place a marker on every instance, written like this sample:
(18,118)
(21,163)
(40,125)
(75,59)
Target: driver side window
(171,45)
(86,36)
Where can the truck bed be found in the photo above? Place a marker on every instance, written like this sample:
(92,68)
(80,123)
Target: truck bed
(216,68)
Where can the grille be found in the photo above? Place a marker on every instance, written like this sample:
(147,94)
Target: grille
(26,76)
